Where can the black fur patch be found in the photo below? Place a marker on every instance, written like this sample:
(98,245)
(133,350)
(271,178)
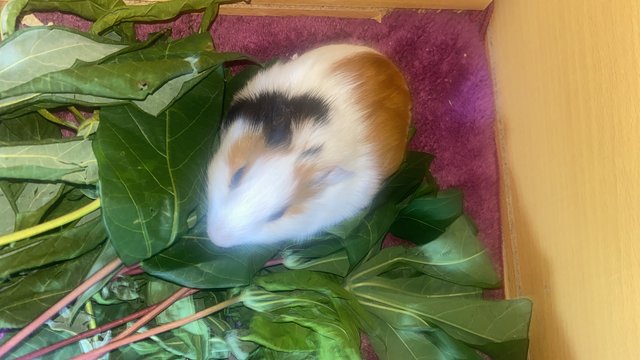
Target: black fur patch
(278,114)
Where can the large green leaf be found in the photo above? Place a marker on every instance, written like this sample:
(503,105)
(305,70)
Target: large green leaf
(425,218)
(280,336)
(24,204)
(43,250)
(391,343)
(336,334)
(152,168)
(152,75)
(148,13)
(194,261)
(69,160)
(36,51)
(193,337)
(418,285)
(336,263)
(456,256)
(29,127)
(498,328)
(40,339)
(25,297)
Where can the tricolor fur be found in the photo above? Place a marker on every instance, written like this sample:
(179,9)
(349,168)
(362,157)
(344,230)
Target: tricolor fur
(306,144)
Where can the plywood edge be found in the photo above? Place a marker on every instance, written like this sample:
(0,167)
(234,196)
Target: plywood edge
(334,8)
(510,253)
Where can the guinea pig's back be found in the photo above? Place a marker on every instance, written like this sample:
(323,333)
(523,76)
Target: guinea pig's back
(369,100)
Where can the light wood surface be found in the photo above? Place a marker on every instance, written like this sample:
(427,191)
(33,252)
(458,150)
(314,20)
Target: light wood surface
(374,9)
(567,77)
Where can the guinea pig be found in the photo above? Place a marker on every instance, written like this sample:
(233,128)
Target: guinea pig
(306,144)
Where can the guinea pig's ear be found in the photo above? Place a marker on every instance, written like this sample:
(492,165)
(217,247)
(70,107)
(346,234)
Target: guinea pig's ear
(331,176)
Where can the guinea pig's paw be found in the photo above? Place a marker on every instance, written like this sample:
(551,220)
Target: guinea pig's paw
(294,56)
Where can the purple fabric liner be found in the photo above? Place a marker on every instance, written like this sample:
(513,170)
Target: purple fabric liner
(442,55)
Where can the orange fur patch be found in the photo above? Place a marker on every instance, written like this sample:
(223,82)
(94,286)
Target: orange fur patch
(382,93)
(244,152)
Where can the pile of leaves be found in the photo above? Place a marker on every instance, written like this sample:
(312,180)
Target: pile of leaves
(127,188)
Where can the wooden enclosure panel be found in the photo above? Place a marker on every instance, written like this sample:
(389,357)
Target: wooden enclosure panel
(567,77)
(374,9)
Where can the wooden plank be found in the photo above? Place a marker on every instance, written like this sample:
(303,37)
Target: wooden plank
(567,91)
(337,8)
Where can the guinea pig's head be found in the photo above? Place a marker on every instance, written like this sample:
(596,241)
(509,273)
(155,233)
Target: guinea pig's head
(264,191)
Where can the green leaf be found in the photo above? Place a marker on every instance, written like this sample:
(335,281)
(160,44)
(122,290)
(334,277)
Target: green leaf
(28,202)
(151,168)
(25,297)
(369,233)
(406,180)
(193,336)
(59,246)
(280,336)
(336,334)
(29,127)
(420,285)
(336,263)
(390,343)
(426,218)
(9,16)
(456,256)
(148,13)
(37,51)
(88,9)
(42,338)
(69,159)
(194,261)
(497,328)
(451,348)
(326,284)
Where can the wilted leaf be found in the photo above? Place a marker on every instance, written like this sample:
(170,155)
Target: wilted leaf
(152,168)
(194,261)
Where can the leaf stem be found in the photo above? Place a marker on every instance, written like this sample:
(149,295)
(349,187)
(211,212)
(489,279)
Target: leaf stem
(76,114)
(38,353)
(157,310)
(138,314)
(52,224)
(27,330)
(56,120)
(95,354)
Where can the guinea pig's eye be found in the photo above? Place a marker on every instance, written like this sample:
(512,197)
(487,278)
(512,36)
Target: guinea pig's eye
(278,214)
(235,179)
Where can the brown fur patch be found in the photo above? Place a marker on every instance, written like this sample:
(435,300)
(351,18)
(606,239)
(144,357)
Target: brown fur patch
(382,92)
(244,152)
(305,174)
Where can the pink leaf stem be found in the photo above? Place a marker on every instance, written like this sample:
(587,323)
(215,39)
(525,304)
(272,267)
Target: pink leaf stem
(95,354)
(35,324)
